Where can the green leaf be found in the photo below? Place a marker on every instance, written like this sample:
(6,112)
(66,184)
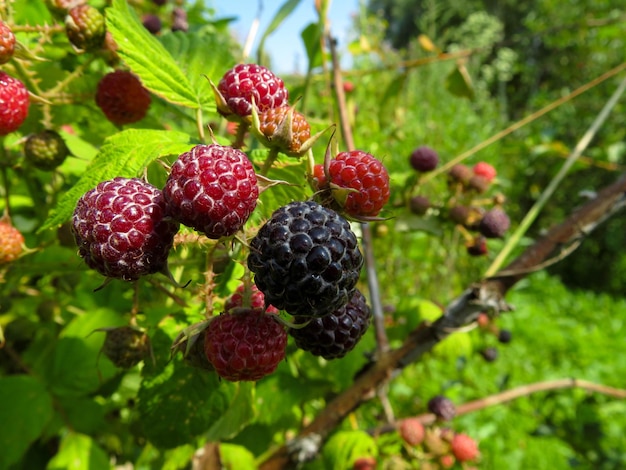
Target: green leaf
(26,408)
(180,404)
(311,36)
(239,413)
(344,447)
(459,83)
(79,452)
(147,57)
(237,457)
(124,154)
(288,7)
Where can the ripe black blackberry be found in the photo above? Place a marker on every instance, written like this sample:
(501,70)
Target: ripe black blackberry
(442,407)
(505,336)
(337,333)
(306,260)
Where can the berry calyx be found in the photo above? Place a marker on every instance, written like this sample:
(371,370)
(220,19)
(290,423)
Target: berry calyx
(45,150)
(7,42)
(424,159)
(442,407)
(122,98)
(85,27)
(283,128)
(122,230)
(125,346)
(15,102)
(212,189)
(334,335)
(364,179)
(11,242)
(412,431)
(485,170)
(494,223)
(245,83)
(246,345)
(306,259)
(464,447)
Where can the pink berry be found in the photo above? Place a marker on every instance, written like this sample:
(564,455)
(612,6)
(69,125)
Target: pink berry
(485,170)
(464,447)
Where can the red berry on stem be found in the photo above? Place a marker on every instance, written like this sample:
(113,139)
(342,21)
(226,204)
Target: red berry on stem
(15,101)
(122,98)
(11,242)
(253,299)
(7,42)
(212,189)
(412,431)
(464,447)
(485,170)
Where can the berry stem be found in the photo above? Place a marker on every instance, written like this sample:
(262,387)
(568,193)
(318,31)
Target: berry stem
(269,161)
(199,124)
(242,128)
(5,180)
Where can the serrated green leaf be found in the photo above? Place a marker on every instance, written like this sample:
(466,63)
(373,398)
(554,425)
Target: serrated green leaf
(344,447)
(124,154)
(281,194)
(284,11)
(147,57)
(79,452)
(311,37)
(26,409)
(240,412)
(180,404)
(234,456)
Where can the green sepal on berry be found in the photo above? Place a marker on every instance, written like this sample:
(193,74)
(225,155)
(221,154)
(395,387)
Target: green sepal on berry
(190,343)
(45,150)
(85,27)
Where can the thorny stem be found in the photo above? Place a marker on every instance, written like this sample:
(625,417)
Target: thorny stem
(510,395)
(532,214)
(522,122)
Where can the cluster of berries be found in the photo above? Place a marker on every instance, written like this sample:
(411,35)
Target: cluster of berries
(489,327)
(305,258)
(465,206)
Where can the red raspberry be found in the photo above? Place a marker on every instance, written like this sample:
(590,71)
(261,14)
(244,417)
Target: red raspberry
(122,98)
(485,170)
(246,345)
(289,140)
(11,242)
(121,229)
(15,101)
(362,172)
(412,431)
(253,299)
(212,189)
(85,28)
(7,42)
(464,447)
(245,81)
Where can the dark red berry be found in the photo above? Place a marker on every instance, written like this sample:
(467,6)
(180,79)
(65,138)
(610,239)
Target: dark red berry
(334,335)
(306,259)
(246,345)
(424,159)
(250,298)
(442,407)
(212,189)
(152,23)
(459,214)
(365,178)
(244,82)
(122,98)
(419,205)
(478,246)
(478,184)
(494,223)
(412,431)
(460,173)
(15,102)
(179,20)
(122,230)
(7,42)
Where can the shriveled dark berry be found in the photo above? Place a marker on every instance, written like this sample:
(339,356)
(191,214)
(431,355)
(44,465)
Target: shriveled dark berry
(306,259)
(489,354)
(442,407)
(494,223)
(419,205)
(334,335)
(460,173)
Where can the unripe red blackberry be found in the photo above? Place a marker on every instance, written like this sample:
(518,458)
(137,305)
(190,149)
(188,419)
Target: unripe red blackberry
(244,82)
(45,150)
(485,170)
(7,42)
(245,345)
(213,189)
(85,27)
(306,260)
(412,431)
(125,346)
(424,159)
(122,98)
(494,223)
(15,102)
(460,173)
(334,335)
(11,242)
(442,407)
(122,230)
(464,448)
(419,205)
